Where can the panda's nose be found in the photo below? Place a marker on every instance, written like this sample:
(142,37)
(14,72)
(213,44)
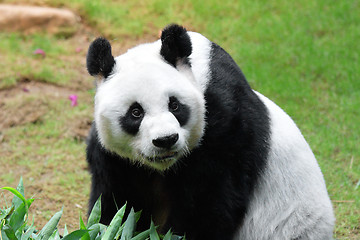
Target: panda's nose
(166,142)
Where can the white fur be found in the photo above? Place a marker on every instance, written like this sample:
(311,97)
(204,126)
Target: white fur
(290,199)
(200,59)
(140,75)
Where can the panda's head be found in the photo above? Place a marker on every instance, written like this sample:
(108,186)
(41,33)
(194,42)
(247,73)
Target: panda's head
(148,106)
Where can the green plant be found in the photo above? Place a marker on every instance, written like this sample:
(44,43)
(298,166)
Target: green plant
(14,224)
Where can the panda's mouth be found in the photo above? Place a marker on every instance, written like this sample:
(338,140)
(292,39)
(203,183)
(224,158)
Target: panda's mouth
(162,158)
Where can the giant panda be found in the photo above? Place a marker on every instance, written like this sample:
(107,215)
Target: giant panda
(179,134)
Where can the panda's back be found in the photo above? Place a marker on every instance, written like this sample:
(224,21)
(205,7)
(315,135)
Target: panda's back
(290,198)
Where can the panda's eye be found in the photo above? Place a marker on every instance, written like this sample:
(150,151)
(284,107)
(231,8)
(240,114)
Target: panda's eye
(179,110)
(136,113)
(173,104)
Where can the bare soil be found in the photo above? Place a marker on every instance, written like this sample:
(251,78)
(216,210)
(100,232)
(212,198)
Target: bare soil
(21,104)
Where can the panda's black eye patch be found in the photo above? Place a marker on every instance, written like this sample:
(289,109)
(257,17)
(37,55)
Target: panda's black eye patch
(131,121)
(179,110)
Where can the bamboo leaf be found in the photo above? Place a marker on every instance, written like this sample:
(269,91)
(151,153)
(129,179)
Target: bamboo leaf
(17,194)
(82,224)
(66,232)
(168,235)
(19,232)
(18,217)
(119,232)
(28,233)
(29,202)
(175,237)
(114,224)
(20,188)
(95,214)
(76,235)
(6,212)
(129,226)
(153,233)
(50,227)
(3,235)
(94,231)
(86,236)
(53,236)
(142,236)
(138,215)
(102,230)
(9,232)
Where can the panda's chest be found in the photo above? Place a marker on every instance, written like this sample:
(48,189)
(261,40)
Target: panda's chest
(161,203)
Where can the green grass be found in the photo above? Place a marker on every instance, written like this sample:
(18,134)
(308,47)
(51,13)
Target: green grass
(304,55)
(19,61)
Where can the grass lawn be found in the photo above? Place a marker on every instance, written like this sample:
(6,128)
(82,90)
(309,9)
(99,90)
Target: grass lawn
(304,55)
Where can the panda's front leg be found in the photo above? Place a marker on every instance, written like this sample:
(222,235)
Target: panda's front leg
(220,216)
(209,208)
(108,205)
(220,223)
(106,170)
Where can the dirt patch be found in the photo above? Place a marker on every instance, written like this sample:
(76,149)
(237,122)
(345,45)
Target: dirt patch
(24,112)
(27,102)
(80,129)
(28,87)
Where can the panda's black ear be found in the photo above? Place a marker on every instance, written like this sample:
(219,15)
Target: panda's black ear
(99,60)
(175,44)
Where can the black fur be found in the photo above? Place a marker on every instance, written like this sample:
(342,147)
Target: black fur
(182,113)
(208,194)
(175,44)
(130,123)
(99,60)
